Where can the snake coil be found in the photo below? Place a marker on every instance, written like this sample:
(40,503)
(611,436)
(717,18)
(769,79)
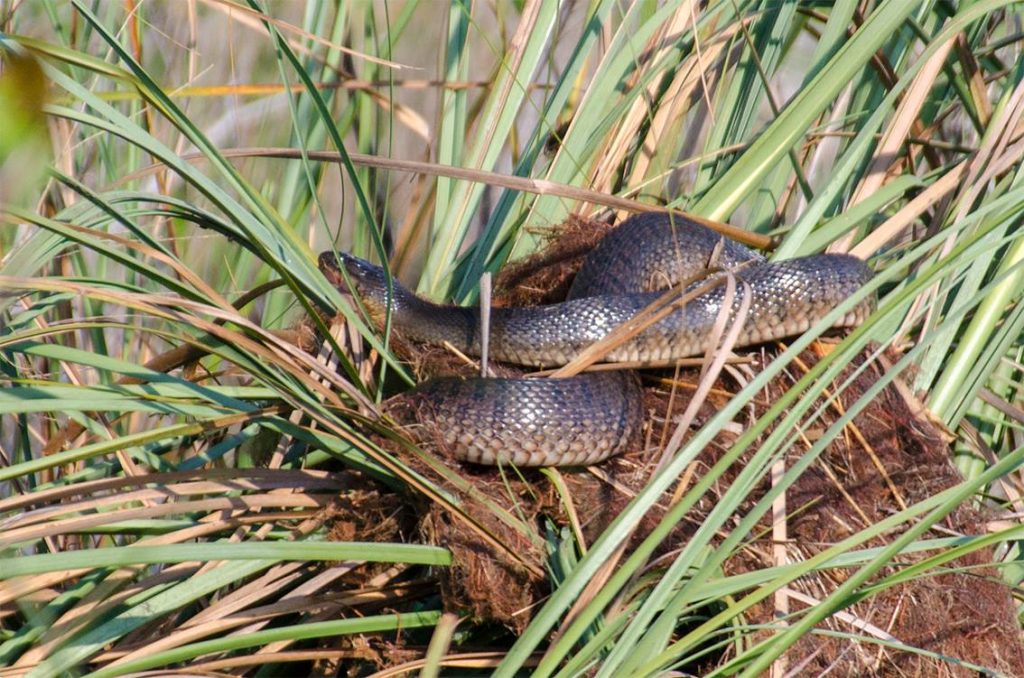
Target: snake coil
(592,416)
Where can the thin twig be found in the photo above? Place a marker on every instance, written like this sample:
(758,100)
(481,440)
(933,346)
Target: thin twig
(485,322)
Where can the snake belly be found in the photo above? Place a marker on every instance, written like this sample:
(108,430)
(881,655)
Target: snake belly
(589,417)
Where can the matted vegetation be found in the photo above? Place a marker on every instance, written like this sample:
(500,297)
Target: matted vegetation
(187,485)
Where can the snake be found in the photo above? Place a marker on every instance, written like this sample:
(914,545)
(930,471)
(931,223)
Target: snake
(587,418)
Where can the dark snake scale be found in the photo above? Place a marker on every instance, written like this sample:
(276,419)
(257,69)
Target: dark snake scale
(590,417)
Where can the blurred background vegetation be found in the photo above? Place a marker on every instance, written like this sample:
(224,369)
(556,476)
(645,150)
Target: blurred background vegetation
(169,458)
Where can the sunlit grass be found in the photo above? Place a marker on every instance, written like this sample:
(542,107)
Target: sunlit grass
(170,459)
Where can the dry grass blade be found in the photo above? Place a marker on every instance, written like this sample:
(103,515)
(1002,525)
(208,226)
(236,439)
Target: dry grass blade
(166,493)
(526,185)
(895,226)
(113,591)
(270,347)
(229,478)
(254,19)
(230,616)
(691,82)
(723,338)
(440,642)
(780,537)
(896,135)
(391,578)
(245,502)
(657,310)
(629,126)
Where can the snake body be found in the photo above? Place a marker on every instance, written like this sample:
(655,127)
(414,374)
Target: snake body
(589,417)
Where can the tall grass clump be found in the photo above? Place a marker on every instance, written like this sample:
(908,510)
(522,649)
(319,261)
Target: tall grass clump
(185,484)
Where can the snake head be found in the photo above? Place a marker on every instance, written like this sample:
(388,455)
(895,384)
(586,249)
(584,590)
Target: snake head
(350,273)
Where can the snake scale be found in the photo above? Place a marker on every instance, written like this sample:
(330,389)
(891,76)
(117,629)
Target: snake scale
(589,417)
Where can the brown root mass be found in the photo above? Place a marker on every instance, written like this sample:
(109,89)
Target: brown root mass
(890,457)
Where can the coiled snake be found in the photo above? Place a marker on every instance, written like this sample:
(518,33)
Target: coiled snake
(589,417)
